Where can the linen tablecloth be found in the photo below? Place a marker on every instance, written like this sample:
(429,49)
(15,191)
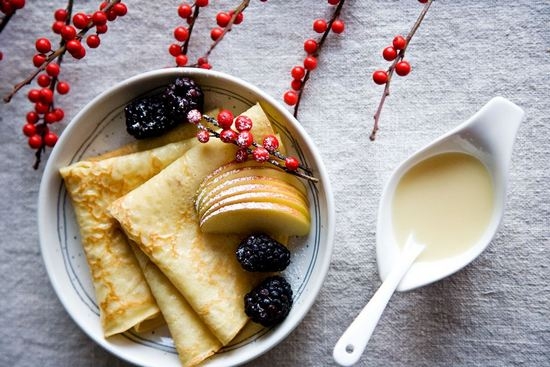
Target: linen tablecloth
(495,312)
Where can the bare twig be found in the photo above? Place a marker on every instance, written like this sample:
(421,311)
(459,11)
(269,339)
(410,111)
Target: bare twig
(391,69)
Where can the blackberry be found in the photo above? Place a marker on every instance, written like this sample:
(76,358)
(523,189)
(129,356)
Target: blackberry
(259,252)
(182,96)
(154,115)
(270,302)
(146,117)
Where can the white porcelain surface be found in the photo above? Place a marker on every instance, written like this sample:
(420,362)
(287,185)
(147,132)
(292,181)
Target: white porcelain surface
(98,128)
(488,135)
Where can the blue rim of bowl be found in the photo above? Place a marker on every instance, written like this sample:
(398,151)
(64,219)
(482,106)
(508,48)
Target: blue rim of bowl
(277,334)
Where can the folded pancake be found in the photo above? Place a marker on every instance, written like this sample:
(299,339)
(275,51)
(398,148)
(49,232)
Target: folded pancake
(122,293)
(193,340)
(160,217)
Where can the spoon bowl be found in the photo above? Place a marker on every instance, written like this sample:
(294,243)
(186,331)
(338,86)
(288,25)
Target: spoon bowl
(488,136)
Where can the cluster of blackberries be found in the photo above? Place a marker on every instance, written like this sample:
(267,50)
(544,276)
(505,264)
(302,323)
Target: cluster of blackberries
(154,115)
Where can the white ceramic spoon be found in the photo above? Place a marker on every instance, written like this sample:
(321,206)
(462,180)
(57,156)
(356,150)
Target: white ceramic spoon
(352,343)
(488,135)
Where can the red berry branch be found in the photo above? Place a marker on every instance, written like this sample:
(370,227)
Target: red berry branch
(224,19)
(8,8)
(243,138)
(300,74)
(45,113)
(395,53)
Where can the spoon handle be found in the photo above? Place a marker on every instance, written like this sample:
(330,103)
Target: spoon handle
(352,343)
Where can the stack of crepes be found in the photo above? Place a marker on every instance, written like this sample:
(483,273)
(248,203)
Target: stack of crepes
(148,259)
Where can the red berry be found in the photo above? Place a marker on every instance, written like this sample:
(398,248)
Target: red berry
(260,154)
(194,116)
(225,119)
(93,41)
(296,84)
(46,96)
(38,60)
(60,15)
(205,66)
(423,1)
(99,17)
(68,32)
(402,68)
(399,42)
(41,108)
(216,33)
(174,49)
(270,143)
(380,76)
(338,26)
(203,136)
(333,2)
(310,62)
(80,20)
(34,95)
(291,163)
(238,19)
(80,53)
(389,53)
(17,4)
(181,60)
(57,26)
(100,29)
(223,18)
(52,69)
(29,129)
(320,25)
(244,139)
(50,117)
(43,80)
(243,123)
(228,135)
(103,5)
(310,46)
(43,45)
(32,117)
(120,9)
(50,139)
(111,15)
(201,3)
(290,97)
(73,46)
(60,113)
(185,11)
(63,88)
(298,72)
(35,141)
(181,33)
(241,155)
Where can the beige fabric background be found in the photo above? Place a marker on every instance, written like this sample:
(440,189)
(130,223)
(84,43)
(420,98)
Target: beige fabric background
(496,312)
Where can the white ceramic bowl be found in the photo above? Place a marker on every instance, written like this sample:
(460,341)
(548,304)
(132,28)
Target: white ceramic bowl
(100,127)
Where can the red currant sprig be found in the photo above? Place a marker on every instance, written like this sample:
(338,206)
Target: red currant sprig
(396,54)
(237,131)
(8,8)
(182,33)
(300,74)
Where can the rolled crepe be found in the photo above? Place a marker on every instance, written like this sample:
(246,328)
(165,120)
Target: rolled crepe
(160,217)
(193,340)
(122,293)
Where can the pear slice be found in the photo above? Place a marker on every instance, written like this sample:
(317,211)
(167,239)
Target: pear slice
(242,184)
(253,217)
(277,197)
(246,171)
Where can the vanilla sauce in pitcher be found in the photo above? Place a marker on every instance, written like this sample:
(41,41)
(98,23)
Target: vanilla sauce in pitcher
(446,201)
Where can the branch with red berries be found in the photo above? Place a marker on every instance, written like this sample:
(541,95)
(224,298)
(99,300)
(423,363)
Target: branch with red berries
(300,74)
(190,12)
(72,29)
(242,137)
(400,66)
